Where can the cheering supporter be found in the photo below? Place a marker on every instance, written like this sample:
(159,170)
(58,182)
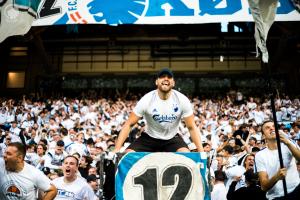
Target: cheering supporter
(19,180)
(93,182)
(70,186)
(269,170)
(54,158)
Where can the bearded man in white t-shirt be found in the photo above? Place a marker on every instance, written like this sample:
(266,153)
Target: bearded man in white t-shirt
(162,109)
(19,180)
(268,166)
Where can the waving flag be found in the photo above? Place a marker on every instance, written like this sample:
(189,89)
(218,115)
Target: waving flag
(16,17)
(263,12)
(296,4)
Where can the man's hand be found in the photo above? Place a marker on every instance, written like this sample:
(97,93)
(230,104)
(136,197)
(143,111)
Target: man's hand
(237,178)
(281,173)
(283,138)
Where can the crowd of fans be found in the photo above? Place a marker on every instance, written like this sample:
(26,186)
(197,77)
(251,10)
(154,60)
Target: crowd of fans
(87,128)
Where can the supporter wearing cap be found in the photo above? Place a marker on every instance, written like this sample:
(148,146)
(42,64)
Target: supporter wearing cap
(165,72)
(93,182)
(91,178)
(163,109)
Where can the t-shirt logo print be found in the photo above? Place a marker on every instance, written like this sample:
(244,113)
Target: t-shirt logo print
(65,193)
(164,118)
(13,192)
(175,107)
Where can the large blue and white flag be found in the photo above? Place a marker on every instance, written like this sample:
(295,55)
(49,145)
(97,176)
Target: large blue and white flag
(114,12)
(18,15)
(158,176)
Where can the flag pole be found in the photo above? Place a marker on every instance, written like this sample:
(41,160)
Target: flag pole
(263,22)
(268,75)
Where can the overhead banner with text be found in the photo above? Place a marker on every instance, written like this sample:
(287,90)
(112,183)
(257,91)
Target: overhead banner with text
(114,12)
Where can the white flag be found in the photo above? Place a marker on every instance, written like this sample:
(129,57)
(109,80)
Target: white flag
(263,12)
(16,17)
(296,3)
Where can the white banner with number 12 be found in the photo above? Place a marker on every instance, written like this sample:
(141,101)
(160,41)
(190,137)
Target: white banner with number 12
(162,176)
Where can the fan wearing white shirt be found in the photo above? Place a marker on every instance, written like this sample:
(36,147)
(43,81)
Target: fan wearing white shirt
(20,180)
(71,186)
(162,109)
(268,167)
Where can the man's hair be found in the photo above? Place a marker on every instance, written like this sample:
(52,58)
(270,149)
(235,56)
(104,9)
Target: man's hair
(262,125)
(253,138)
(71,156)
(205,144)
(296,124)
(44,141)
(246,157)
(91,178)
(44,147)
(251,177)
(255,149)
(243,126)
(229,149)
(220,175)
(21,149)
(64,131)
(60,143)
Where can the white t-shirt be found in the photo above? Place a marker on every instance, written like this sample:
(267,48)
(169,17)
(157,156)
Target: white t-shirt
(22,185)
(78,148)
(219,192)
(53,160)
(16,130)
(2,149)
(76,190)
(3,118)
(163,116)
(267,160)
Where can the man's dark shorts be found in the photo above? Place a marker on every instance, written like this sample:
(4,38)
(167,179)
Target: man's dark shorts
(145,143)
